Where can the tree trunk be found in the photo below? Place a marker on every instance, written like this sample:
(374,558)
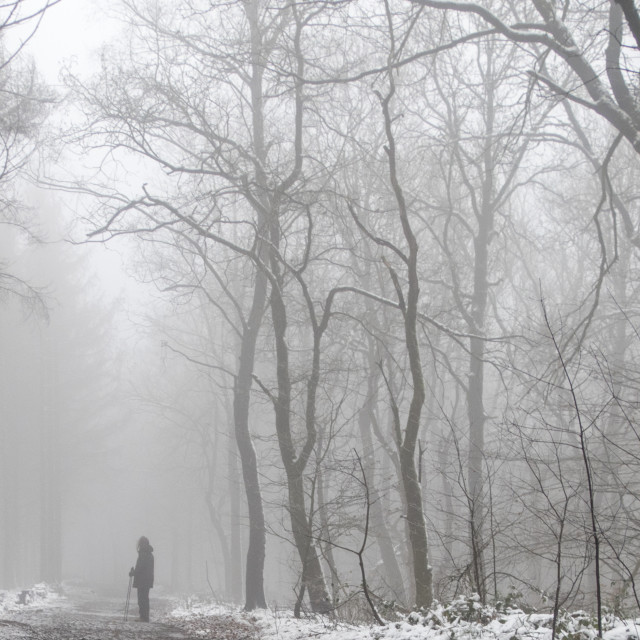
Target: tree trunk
(475,479)
(294,464)
(314,579)
(477,319)
(254,584)
(379,527)
(234,585)
(327,544)
(407,441)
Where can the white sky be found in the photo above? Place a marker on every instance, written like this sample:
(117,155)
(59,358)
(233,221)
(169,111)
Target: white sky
(72,31)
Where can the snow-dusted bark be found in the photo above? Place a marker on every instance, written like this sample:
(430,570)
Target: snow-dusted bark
(616,100)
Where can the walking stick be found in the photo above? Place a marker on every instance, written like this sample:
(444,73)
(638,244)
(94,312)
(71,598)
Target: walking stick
(126,607)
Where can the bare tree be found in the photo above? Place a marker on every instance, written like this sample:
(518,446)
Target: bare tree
(407,302)
(615,99)
(24,106)
(225,145)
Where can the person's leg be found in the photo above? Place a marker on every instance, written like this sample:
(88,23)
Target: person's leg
(143,604)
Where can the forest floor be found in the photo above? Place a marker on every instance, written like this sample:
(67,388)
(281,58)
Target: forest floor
(88,615)
(79,613)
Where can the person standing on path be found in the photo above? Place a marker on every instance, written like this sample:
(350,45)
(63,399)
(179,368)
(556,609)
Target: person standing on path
(142,575)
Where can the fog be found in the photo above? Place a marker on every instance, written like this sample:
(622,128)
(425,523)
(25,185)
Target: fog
(335,302)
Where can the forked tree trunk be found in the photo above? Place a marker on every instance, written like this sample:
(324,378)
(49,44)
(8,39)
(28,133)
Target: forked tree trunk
(295,462)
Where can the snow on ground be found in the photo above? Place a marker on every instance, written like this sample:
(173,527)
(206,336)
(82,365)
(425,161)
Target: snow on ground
(40,595)
(464,619)
(82,614)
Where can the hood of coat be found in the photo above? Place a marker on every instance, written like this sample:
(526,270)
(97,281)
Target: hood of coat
(143,544)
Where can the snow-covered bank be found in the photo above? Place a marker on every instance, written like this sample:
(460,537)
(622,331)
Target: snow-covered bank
(85,613)
(38,595)
(464,619)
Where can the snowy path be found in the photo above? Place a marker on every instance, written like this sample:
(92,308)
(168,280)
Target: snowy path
(87,616)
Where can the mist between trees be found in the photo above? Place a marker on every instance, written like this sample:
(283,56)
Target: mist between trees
(392,351)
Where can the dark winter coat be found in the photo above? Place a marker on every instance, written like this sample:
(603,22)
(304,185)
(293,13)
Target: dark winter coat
(143,573)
